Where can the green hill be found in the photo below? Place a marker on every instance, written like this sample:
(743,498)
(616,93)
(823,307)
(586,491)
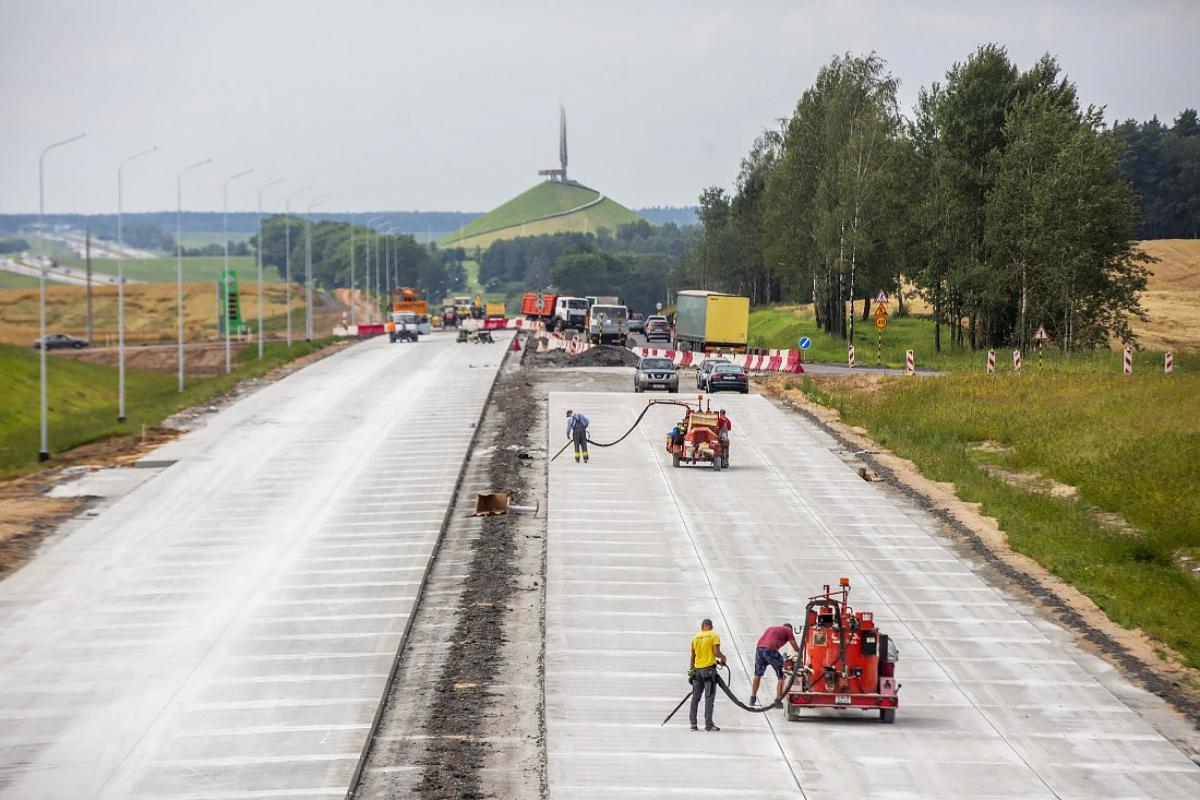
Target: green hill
(548,207)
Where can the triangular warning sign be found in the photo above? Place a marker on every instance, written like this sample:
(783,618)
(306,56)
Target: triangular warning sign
(881,297)
(1041,335)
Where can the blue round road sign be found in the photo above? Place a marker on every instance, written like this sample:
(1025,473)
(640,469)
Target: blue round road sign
(805,343)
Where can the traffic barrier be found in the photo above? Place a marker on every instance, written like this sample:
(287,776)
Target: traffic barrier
(850,357)
(908,362)
(991,362)
(759,361)
(1169,362)
(1128,360)
(1016,360)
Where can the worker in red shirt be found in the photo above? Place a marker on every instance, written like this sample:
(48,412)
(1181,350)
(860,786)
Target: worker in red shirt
(724,426)
(767,652)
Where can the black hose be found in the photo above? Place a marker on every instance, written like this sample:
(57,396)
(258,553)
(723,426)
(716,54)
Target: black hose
(636,422)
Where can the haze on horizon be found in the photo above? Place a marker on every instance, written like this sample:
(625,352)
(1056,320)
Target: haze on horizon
(454,106)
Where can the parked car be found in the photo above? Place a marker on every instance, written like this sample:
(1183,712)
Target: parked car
(705,366)
(657,329)
(727,376)
(655,372)
(636,323)
(58,341)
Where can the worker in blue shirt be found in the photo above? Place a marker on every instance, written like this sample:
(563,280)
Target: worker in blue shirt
(577,425)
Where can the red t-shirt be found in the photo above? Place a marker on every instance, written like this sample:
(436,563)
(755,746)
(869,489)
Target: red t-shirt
(723,424)
(775,637)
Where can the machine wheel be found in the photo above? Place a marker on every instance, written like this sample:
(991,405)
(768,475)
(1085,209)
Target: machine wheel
(675,459)
(792,712)
(887,715)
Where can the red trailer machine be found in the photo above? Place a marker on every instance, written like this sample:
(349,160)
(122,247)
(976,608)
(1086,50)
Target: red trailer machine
(844,660)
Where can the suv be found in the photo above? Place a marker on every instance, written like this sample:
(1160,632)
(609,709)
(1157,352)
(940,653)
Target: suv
(657,329)
(705,367)
(655,372)
(726,376)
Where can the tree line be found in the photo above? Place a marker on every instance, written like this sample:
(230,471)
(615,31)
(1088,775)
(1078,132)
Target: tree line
(999,200)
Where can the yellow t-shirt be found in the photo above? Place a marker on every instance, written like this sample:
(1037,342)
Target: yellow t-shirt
(703,644)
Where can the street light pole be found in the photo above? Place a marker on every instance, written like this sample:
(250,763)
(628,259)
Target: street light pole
(121,286)
(44,448)
(308,320)
(260,263)
(225,273)
(375,303)
(179,257)
(353,312)
(287,256)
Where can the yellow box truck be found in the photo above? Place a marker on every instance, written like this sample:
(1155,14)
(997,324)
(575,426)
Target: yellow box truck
(712,321)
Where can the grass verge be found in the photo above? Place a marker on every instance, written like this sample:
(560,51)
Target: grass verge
(1130,447)
(82,398)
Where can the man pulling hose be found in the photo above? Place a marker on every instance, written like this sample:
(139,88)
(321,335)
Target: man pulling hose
(577,425)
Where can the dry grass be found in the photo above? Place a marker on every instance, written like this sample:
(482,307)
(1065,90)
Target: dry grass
(150,311)
(1172,296)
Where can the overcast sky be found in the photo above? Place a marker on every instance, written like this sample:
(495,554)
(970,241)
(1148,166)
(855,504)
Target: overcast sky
(454,105)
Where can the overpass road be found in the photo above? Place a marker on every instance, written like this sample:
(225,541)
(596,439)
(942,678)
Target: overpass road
(226,629)
(996,701)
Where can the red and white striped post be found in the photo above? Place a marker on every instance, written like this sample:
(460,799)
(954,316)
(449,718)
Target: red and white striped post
(1169,363)
(991,363)
(908,362)
(850,356)
(1128,360)
(1016,360)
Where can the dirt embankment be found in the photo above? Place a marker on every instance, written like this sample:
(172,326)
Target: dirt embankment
(1132,652)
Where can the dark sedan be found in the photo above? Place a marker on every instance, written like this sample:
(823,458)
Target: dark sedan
(727,377)
(59,341)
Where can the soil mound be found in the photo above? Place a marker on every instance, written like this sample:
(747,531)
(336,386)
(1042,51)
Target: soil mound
(604,356)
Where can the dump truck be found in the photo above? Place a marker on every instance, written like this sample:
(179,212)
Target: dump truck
(711,321)
(409,300)
(557,311)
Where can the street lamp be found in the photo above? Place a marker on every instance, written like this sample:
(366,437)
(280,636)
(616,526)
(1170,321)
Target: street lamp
(44,449)
(308,321)
(179,257)
(260,263)
(121,287)
(353,306)
(287,256)
(375,305)
(225,273)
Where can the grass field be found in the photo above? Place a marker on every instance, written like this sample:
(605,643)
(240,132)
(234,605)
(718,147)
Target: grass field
(1172,297)
(83,399)
(150,311)
(196,269)
(1130,446)
(11,280)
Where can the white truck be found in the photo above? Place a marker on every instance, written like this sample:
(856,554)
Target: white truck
(608,324)
(570,312)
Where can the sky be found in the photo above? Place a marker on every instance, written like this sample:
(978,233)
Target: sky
(454,105)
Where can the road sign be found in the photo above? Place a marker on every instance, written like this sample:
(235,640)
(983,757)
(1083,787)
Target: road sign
(881,298)
(881,321)
(658,306)
(805,342)
(881,310)
(1041,335)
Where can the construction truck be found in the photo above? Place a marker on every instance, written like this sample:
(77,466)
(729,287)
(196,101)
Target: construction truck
(403,326)
(607,324)
(558,312)
(493,316)
(711,321)
(407,300)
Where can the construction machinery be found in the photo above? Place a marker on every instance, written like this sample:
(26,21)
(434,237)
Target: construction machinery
(494,318)
(844,662)
(697,438)
(409,300)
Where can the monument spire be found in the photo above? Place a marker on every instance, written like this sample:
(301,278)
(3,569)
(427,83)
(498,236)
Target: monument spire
(560,174)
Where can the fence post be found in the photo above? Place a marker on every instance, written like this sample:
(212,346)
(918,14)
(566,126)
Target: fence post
(908,362)
(1169,363)
(991,361)
(1128,360)
(1016,360)
(851,356)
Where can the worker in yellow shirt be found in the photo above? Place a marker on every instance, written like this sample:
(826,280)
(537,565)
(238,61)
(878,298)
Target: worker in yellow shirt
(702,670)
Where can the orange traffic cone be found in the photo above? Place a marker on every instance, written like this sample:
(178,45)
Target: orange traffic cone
(516,345)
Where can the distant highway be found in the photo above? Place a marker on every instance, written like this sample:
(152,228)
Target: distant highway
(59,274)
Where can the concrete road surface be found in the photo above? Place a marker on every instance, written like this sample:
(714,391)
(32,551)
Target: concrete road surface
(226,629)
(996,702)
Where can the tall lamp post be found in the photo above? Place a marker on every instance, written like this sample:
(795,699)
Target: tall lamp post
(287,256)
(179,258)
(121,284)
(375,303)
(225,273)
(44,447)
(261,189)
(308,278)
(353,305)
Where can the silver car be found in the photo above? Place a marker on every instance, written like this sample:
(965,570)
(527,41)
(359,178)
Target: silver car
(655,372)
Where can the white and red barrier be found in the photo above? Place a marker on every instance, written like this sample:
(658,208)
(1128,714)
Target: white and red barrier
(991,362)
(850,357)
(1128,360)
(1016,360)
(1169,362)
(909,367)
